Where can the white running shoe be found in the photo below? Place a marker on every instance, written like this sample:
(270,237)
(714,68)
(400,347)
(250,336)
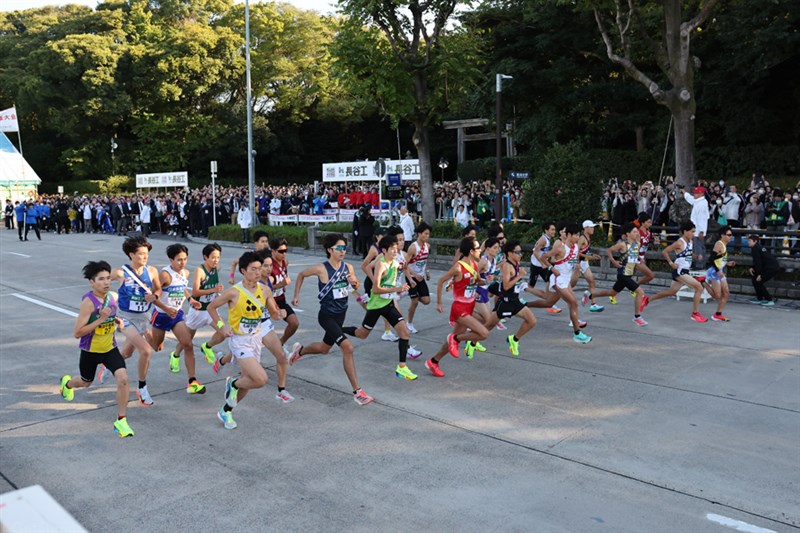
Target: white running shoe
(413,353)
(389,336)
(144,396)
(412,329)
(284,396)
(104,374)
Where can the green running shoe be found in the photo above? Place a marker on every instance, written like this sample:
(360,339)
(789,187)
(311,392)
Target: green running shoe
(66,393)
(174,363)
(195,387)
(469,349)
(403,372)
(513,346)
(122,428)
(227,418)
(231,393)
(478,346)
(209,353)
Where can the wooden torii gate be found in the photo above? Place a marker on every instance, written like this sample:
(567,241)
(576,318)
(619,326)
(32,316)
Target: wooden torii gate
(462,136)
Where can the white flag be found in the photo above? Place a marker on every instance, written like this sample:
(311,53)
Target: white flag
(8,119)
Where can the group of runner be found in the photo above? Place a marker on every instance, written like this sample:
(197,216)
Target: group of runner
(149,302)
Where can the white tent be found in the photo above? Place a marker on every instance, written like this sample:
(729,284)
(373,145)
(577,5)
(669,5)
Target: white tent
(17,179)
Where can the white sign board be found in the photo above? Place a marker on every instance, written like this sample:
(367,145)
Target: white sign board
(365,170)
(8,119)
(162,179)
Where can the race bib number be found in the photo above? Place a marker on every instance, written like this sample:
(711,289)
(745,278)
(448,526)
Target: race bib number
(248,326)
(469,291)
(106,328)
(175,298)
(278,292)
(138,304)
(341,290)
(418,267)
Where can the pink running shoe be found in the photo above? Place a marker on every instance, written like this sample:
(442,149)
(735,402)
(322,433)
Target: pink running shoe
(697,317)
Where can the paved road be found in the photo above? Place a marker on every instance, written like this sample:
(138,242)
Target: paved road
(674,427)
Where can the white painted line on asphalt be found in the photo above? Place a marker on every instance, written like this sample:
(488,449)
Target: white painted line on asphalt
(298,309)
(45,304)
(21,255)
(738,525)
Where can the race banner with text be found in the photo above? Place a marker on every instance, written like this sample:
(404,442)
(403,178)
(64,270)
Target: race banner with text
(162,179)
(366,170)
(8,120)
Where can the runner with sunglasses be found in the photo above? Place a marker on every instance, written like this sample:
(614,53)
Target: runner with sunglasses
(280,275)
(512,284)
(335,278)
(716,280)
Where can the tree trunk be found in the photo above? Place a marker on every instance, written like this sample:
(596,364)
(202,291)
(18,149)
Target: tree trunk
(685,171)
(422,144)
(639,138)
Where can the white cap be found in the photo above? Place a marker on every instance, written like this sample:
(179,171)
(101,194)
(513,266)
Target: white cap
(589,224)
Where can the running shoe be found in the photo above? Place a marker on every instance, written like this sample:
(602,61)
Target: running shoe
(363,298)
(122,428)
(478,346)
(513,345)
(633,294)
(645,302)
(553,310)
(719,317)
(174,363)
(144,396)
(403,372)
(585,298)
(613,300)
(596,308)
(195,387)
(231,393)
(433,366)
(501,326)
(209,353)
(284,396)
(452,345)
(581,338)
(362,398)
(413,353)
(227,418)
(104,374)
(66,393)
(412,329)
(697,317)
(389,337)
(295,355)
(217,364)
(640,321)
(768,303)
(755,301)
(469,350)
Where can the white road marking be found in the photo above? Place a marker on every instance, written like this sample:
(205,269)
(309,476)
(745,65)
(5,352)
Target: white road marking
(45,304)
(738,525)
(21,255)
(298,309)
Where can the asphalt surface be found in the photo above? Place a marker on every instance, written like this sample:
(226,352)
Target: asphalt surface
(676,426)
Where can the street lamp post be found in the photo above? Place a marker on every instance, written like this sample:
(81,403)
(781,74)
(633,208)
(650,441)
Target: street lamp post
(114,146)
(498,179)
(443,164)
(251,180)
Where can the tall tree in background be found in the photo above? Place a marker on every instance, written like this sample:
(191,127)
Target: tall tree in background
(404,54)
(672,53)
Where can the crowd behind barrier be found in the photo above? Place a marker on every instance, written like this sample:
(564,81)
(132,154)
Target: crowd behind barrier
(193,211)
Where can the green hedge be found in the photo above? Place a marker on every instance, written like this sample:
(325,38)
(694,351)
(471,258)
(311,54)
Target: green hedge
(295,235)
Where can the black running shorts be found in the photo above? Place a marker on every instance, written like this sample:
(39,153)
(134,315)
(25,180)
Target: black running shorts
(112,359)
